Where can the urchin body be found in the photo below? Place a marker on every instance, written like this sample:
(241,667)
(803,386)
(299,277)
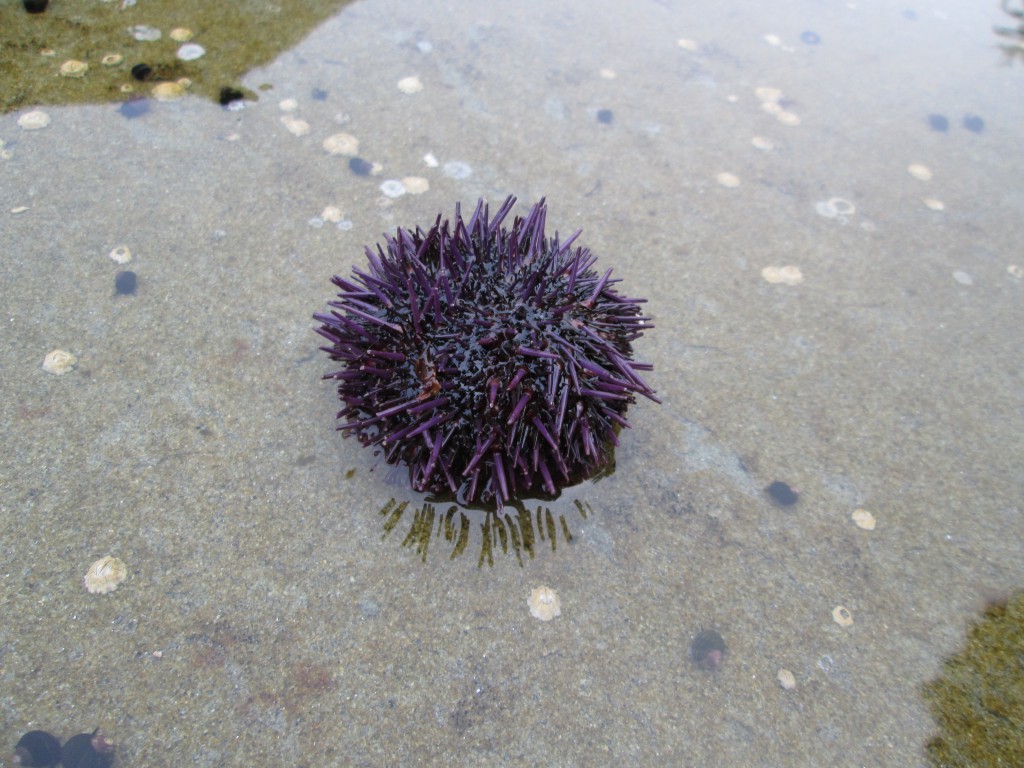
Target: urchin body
(493,361)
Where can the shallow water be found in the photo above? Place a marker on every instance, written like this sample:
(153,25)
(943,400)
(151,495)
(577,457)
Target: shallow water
(271,615)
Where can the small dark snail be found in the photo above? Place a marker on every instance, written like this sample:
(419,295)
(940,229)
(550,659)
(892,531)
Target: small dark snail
(142,72)
(88,750)
(229,94)
(37,748)
(708,650)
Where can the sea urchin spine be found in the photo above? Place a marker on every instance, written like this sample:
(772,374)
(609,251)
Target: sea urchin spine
(493,361)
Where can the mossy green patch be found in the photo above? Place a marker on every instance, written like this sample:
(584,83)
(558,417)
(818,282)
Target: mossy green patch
(237,35)
(979,700)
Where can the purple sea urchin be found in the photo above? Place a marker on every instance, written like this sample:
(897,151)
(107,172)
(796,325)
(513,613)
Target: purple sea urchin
(493,362)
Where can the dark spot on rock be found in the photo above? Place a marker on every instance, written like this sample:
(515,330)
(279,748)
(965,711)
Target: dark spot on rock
(974,124)
(809,37)
(360,167)
(125,282)
(134,108)
(782,494)
(938,123)
(318,94)
(605,116)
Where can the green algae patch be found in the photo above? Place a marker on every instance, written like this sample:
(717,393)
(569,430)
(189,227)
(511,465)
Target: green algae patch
(42,55)
(979,700)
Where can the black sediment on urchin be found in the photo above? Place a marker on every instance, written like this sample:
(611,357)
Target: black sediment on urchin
(493,362)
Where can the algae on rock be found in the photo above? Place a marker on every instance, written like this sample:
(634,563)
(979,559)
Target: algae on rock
(979,700)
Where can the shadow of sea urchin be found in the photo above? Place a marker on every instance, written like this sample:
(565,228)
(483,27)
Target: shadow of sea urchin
(493,361)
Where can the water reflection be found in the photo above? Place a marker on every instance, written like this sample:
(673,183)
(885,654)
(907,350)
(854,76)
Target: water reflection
(517,529)
(1014,36)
